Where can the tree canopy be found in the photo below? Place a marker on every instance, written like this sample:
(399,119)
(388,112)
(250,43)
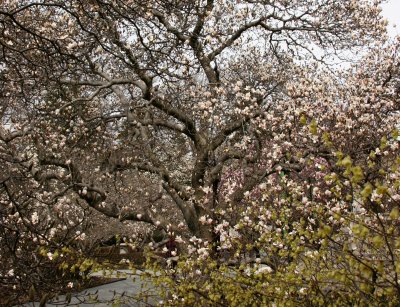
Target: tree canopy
(276,118)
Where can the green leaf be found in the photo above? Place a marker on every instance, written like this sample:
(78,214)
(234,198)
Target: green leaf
(395,133)
(372,155)
(394,214)
(381,189)
(346,162)
(324,231)
(303,119)
(378,241)
(326,139)
(313,127)
(358,174)
(384,143)
(367,191)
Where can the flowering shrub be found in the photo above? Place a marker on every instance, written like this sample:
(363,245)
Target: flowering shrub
(341,248)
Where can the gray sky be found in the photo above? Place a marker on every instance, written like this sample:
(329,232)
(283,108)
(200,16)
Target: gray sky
(391,11)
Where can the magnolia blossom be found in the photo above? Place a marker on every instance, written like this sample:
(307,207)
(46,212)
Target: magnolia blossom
(263,269)
(35,218)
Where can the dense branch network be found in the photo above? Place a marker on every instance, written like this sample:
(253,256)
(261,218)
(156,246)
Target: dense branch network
(163,89)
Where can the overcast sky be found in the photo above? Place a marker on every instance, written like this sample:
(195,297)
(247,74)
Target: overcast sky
(391,11)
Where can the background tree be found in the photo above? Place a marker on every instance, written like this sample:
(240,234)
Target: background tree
(178,91)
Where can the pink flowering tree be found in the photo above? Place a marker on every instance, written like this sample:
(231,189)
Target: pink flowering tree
(234,118)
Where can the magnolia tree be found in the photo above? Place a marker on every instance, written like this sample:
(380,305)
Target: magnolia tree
(232,123)
(327,234)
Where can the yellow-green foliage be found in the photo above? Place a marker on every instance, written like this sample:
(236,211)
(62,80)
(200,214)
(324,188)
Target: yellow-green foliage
(342,251)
